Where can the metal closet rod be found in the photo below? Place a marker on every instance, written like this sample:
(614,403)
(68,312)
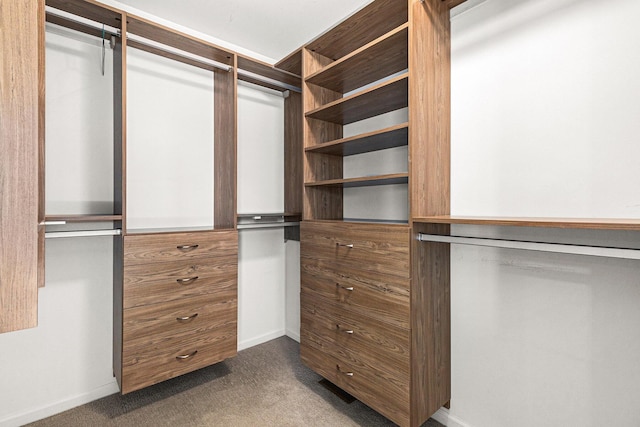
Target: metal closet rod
(268,225)
(562,248)
(82,233)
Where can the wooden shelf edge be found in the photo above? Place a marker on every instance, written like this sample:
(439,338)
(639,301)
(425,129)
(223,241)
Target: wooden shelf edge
(388,179)
(84,218)
(337,145)
(291,63)
(575,223)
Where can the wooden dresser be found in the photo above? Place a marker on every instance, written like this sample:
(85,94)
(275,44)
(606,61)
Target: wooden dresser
(179,304)
(355,310)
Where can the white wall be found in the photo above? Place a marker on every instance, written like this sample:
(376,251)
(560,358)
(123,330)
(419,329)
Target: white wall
(545,123)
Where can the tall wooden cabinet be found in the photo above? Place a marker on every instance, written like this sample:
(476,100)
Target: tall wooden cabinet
(21,93)
(375,314)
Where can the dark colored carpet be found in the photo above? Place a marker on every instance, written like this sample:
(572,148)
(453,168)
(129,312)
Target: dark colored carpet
(266,385)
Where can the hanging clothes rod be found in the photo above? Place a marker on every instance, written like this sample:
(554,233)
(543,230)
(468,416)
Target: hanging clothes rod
(82,233)
(248,76)
(561,248)
(268,225)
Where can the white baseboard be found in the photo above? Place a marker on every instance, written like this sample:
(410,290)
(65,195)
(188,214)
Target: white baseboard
(243,345)
(293,335)
(16,420)
(444,417)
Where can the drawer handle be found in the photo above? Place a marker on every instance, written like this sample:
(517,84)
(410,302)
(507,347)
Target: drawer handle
(186,356)
(346,288)
(187,318)
(346,331)
(345,245)
(348,374)
(187,280)
(187,247)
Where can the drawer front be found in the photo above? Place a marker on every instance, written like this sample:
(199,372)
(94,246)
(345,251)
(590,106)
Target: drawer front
(384,344)
(160,323)
(142,249)
(155,363)
(383,391)
(169,281)
(383,249)
(382,297)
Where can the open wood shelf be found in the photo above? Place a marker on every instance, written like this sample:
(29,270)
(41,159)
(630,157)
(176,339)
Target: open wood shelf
(84,218)
(382,57)
(391,137)
(379,99)
(91,10)
(368,181)
(361,28)
(577,223)
(291,63)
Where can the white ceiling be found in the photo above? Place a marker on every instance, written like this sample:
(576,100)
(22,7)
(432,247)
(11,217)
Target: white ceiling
(273,28)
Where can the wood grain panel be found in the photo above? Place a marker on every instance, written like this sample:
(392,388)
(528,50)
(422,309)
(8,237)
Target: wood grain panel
(19,161)
(382,248)
(453,3)
(173,280)
(293,174)
(267,70)
(381,98)
(369,23)
(430,325)
(429,109)
(225,148)
(382,57)
(385,391)
(144,249)
(169,37)
(84,218)
(89,9)
(76,26)
(384,297)
(390,137)
(41,141)
(384,343)
(367,181)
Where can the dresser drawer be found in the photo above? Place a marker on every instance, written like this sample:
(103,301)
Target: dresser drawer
(379,248)
(384,344)
(168,281)
(157,362)
(152,248)
(385,391)
(383,297)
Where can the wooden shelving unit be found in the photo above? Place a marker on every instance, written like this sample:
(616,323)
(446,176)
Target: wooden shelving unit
(83,218)
(575,223)
(382,98)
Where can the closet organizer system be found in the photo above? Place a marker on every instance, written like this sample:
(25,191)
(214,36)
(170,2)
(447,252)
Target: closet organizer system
(175,291)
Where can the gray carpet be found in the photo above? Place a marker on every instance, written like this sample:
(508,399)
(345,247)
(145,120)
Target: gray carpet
(266,385)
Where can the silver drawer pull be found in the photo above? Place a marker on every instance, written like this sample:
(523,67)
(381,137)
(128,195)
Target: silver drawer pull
(346,288)
(348,374)
(187,318)
(187,247)
(187,280)
(186,356)
(345,245)
(346,331)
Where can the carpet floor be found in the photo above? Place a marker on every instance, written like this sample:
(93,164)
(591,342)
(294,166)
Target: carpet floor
(265,385)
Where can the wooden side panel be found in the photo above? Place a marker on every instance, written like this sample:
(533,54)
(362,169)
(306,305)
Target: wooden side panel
(319,203)
(293,148)
(19,148)
(118,304)
(41,142)
(429,108)
(430,325)
(225,148)
(120,127)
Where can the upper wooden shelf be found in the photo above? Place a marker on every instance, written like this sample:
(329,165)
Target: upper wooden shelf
(367,181)
(362,27)
(291,63)
(379,99)
(382,57)
(267,70)
(578,223)
(91,10)
(394,136)
(84,218)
